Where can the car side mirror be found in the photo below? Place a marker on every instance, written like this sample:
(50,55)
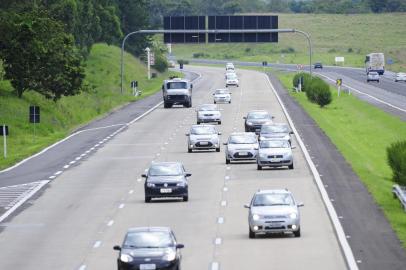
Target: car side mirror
(273,117)
(118,248)
(225,143)
(188,174)
(187,134)
(293,147)
(179,246)
(291,133)
(191,86)
(219,133)
(256,148)
(300,204)
(247,206)
(144,175)
(163,88)
(244,117)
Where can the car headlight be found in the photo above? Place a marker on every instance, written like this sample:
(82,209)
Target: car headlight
(262,138)
(150,185)
(263,155)
(182,184)
(126,258)
(293,215)
(255,217)
(249,123)
(170,256)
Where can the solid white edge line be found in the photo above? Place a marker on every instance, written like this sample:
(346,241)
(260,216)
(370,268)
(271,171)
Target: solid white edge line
(23,200)
(78,132)
(215,266)
(82,267)
(363,93)
(345,247)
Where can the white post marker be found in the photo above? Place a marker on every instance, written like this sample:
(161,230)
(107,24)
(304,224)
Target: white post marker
(5,141)
(148,50)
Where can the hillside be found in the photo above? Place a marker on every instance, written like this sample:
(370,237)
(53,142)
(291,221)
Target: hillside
(61,118)
(352,36)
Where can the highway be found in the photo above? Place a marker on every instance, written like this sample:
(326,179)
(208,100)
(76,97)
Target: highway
(387,95)
(87,209)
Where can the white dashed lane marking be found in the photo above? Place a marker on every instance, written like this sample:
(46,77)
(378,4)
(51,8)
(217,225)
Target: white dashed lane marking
(110,223)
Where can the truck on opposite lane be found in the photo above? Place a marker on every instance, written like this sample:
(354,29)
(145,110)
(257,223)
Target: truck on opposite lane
(177,91)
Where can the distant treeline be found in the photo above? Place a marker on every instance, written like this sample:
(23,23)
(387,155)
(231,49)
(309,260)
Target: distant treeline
(161,8)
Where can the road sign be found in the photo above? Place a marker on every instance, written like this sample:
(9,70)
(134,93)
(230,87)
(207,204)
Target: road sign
(339,82)
(185,23)
(34,114)
(134,84)
(242,23)
(390,61)
(3,130)
(152,59)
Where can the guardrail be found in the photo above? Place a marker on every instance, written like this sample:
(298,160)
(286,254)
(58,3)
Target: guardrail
(400,193)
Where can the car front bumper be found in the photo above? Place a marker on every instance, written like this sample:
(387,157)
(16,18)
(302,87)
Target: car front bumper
(203,145)
(208,119)
(219,100)
(159,265)
(274,162)
(242,154)
(275,225)
(166,192)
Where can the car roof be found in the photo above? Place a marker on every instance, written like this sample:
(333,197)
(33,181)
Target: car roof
(203,125)
(276,124)
(149,229)
(207,105)
(223,89)
(255,111)
(273,191)
(243,134)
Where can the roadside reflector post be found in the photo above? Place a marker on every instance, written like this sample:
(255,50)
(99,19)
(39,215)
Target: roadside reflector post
(4,133)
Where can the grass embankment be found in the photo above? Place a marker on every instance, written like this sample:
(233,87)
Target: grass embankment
(61,118)
(351,36)
(361,133)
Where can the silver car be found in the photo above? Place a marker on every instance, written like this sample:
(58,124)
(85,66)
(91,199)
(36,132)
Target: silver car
(203,137)
(222,96)
(372,76)
(232,79)
(273,211)
(400,77)
(208,113)
(274,153)
(275,131)
(241,146)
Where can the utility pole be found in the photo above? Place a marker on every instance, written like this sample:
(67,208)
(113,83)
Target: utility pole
(148,50)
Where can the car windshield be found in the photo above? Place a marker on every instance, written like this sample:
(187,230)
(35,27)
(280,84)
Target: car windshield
(272,199)
(208,107)
(165,170)
(231,76)
(203,130)
(274,129)
(274,144)
(221,92)
(373,73)
(176,85)
(258,115)
(241,139)
(148,240)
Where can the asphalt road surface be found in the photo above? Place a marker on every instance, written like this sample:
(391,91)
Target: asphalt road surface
(88,208)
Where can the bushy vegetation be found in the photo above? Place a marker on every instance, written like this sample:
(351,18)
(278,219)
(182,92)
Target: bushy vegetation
(317,90)
(305,81)
(396,154)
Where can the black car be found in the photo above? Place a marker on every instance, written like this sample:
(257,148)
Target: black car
(148,248)
(255,119)
(318,65)
(166,180)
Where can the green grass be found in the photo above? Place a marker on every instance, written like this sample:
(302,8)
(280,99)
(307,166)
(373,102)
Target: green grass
(361,132)
(61,118)
(332,35)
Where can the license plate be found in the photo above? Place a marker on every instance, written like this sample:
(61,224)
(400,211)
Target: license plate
(243,153)
(165,190)
(275,159)
(204,143)
(149,266)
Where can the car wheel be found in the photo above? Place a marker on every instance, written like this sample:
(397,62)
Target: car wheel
(166,105)
(229,102)
(297,233)
(227,161)
(251,234)
(291,167)
(215,102)
(219,122)
(147,199)
(259,167)
(218,149)
(186,198)
(189,150)
(198,122)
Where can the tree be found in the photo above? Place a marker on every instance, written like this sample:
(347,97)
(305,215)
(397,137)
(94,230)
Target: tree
(38,55)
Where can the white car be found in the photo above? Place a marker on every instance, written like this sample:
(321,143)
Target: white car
(232,79)
(400,77)
(203,137)
(229,72)
(373,76)
(208,113)
(222,96)
(241,146)
(274,153)
(230,66)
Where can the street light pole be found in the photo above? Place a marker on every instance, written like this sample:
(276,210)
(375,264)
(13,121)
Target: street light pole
(212,31)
